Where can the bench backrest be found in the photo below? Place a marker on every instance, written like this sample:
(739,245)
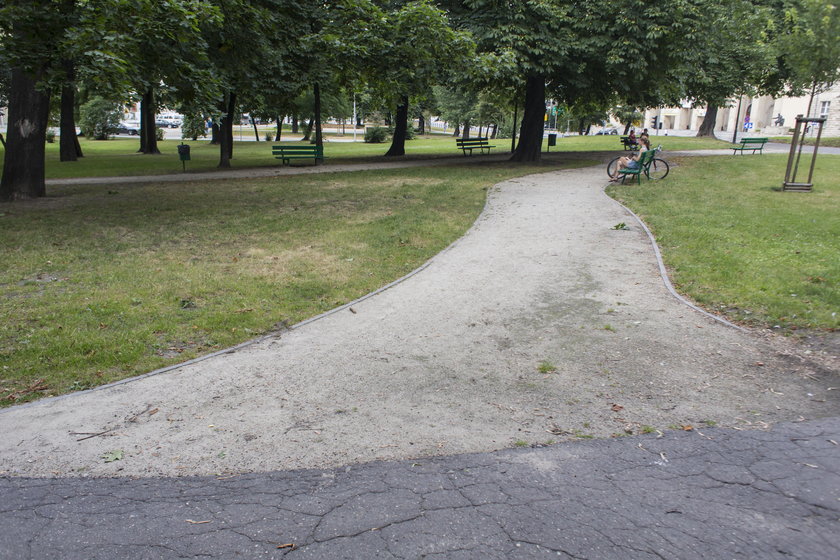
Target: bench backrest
(647,157)
(754,140)
(470,141)
(295,150)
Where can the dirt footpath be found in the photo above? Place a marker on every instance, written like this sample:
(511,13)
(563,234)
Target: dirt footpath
(541,324)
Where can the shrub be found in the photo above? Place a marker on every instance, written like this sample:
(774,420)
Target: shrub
(50,136)
(99,117)
(376,135)
(160,135)
(193,127)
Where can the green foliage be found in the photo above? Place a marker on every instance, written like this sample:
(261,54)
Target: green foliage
(808,44)
(99,117)
(50,137)
(193,127)
(376,135)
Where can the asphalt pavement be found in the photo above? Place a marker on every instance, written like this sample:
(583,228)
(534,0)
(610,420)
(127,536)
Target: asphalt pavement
(704,494)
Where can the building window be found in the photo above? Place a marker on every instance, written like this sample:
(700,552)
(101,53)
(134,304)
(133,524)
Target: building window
(824,108)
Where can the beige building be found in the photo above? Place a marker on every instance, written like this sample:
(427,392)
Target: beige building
(759,115)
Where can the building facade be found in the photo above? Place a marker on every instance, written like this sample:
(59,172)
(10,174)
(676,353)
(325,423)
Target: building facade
(756,115)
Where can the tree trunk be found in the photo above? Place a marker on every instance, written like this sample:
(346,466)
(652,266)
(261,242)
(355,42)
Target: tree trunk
(400,127)
(581,125)
(319,133)
(533,123)
(627,128)
(457,130)
(28,111)
(279,133)
(495,131)
(226,131)
(256,132)
(148,130)
(215,133)
(68,142)
(421,124)
(307,136)
(513,130)
(467,127)
(707,127)
(588,129)
(295,125)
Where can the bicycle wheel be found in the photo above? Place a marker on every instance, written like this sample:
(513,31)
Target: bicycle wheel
(612,165)
(658,169)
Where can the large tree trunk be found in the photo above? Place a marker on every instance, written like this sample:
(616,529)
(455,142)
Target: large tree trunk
(226,131)
(627,128)
(68,142)
(400,127)
(533,123)
(319,133)
(467,127)
(421,124)
(28,111)
(707,127)
(279,120)
(215,133)
(148,130)
(295,125)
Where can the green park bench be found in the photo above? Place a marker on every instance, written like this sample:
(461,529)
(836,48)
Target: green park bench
(288,153)
(628,144)
(750,144)
(645,159)
(472,144)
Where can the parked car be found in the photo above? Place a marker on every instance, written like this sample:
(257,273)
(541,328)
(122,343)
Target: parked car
(607,131)
(171,120)
(132,128)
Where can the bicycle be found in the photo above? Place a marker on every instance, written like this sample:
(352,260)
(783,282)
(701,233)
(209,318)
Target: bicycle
(657,170)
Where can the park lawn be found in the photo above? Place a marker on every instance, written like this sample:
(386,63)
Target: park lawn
(119,157)
(739,246)
(100,283)
(828,142)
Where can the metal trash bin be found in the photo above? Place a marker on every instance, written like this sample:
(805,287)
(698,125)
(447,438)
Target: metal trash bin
(552,141)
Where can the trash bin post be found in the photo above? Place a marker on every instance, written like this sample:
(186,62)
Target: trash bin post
(184,154)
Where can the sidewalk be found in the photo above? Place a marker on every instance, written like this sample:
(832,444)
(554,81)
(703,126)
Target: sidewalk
(425,384)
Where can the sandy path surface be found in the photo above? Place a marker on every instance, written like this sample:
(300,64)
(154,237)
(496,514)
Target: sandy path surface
(447,362)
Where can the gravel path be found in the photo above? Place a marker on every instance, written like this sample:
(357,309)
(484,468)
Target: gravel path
(447,361)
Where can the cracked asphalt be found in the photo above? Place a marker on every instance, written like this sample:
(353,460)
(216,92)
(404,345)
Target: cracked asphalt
(427,373)
(704,494)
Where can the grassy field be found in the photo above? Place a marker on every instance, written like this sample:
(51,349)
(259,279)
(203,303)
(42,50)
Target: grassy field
(829,142)
(119,157)
(104,282)
(738,245)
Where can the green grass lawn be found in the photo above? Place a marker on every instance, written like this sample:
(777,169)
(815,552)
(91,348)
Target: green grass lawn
(119,157)
(99,283)
(738,245)
(829,142)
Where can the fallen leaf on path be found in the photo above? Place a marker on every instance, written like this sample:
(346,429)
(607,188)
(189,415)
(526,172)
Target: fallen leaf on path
(617,407)
(291,546)
(196,522)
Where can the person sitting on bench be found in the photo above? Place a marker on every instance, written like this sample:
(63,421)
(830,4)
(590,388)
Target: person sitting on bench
(631,162)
